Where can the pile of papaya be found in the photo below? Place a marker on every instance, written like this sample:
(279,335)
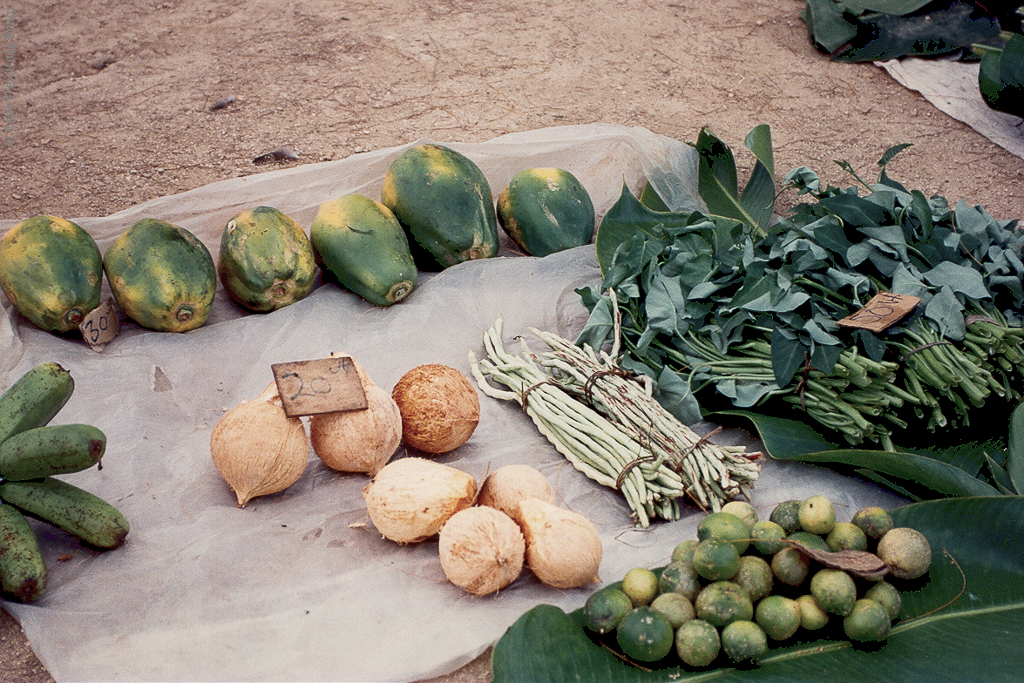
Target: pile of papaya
(436,210)
(32,454)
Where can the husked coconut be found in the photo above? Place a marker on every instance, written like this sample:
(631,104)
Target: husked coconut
(440,408)
(410,499)
(481,549)
(506,486)
(563,548)
(257,448)
(358,440)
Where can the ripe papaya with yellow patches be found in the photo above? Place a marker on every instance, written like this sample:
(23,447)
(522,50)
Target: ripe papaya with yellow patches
(51,270)
(162,276)
(265,261)
(361,242)
(544,210)
(443,200)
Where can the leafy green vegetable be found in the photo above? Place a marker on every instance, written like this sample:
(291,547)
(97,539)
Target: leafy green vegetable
(1001,76)
(963,623)
(749,311)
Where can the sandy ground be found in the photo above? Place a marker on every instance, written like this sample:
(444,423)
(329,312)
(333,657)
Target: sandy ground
(108,104)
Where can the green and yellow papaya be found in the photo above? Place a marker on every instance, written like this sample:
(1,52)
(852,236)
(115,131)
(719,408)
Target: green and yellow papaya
(161,276)
(265,260)
(442,198)
(544,210)
(51,270)
(361,242)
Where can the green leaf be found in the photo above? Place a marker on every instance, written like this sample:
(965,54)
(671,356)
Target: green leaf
(758,197)
(650,198)
(788,355)
(718,184)
(1001,77)
(626,217)
(961,623)
(1015,449)
(786,439)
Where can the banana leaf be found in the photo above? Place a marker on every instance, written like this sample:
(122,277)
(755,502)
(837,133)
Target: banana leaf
(963,623)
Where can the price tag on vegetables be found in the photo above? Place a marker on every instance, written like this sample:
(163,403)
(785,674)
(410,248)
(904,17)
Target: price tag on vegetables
(101,325)
(884,310)
(327,385)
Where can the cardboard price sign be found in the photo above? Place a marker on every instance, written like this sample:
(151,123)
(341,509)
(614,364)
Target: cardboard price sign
(884,310)
(101,325)
(312,387)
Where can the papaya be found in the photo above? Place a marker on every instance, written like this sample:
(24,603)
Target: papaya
(161,276)
(363,245)
(544,210)
(442,199)
(51,270)
(265,260)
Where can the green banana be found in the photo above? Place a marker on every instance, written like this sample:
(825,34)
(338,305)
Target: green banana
(55,449)
(33,400)
(22,570)
(69,508)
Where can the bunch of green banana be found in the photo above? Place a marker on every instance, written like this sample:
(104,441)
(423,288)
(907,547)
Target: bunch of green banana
(31,452)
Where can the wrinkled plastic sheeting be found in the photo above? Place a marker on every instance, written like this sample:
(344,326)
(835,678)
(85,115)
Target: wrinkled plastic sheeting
(298,586)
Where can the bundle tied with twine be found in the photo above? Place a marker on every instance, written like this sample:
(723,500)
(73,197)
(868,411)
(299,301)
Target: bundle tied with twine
(606,422)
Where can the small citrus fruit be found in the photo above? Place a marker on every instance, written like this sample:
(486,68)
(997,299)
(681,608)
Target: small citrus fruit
(874,521)
(743,510)
(754,576)
(645,635)
(834,590)
(790,566)
(722,602)
(812,541)
(698,642)
(716,560)
(744,641)
(787,515)
(779,616)
(605,608)
(725,527)
(641,585)
(817,515)
(812,617)
(867,621)
(906,551)
(683,552)
(888,596)
(674,607)
(679,577)
(767,537)
(846,536)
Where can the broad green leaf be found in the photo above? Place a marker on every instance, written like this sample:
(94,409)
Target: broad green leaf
(1001,77)
(828,26)
(650,198)
(758,197)
(788,356)
(786,439)
(961,279)
(1015,449)
(626,217)
(718,184)
(963,622)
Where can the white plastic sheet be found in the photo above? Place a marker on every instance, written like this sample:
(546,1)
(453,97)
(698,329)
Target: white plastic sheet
(298,586)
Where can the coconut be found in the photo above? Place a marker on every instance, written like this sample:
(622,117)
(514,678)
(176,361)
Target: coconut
(440,408)
(258,449)
(563,548)
(410,499)
(481,549)
(506,486)
(358,440)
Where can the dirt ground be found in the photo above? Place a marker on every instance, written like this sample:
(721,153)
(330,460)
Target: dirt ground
(108,104)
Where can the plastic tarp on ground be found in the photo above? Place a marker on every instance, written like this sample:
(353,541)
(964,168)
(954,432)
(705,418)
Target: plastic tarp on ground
(952,87)
(298,586)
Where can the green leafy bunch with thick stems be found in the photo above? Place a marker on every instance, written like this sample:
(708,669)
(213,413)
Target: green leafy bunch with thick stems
(747,305)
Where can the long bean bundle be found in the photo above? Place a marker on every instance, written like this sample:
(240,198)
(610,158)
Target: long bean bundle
(609,427)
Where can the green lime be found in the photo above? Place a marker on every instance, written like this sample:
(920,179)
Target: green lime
(813,541)
(744,641)
(725,527)
(867,621)
(812,617)
(645,635)
(720,602)
(698,643)
(743,510)
(679,577)
(888,596)
(674,607)
(790,566)
(683,552)
(817,515)
(906,551)
(834,590)
(767,537)
(779,616)
(754,576)
(641,585)
(787,515)
(873,521)
(716,560)
(605,608)
(846,536)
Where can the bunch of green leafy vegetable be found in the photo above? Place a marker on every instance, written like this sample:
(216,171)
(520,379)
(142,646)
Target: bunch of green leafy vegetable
(734,305)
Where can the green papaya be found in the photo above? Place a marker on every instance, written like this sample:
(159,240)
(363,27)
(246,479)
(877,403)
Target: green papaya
(265,260)
(161,276)
(442,198)
(361,242)
(51,270)
(544,210)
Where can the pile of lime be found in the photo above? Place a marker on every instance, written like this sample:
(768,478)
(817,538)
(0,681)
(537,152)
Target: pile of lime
(745,584)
